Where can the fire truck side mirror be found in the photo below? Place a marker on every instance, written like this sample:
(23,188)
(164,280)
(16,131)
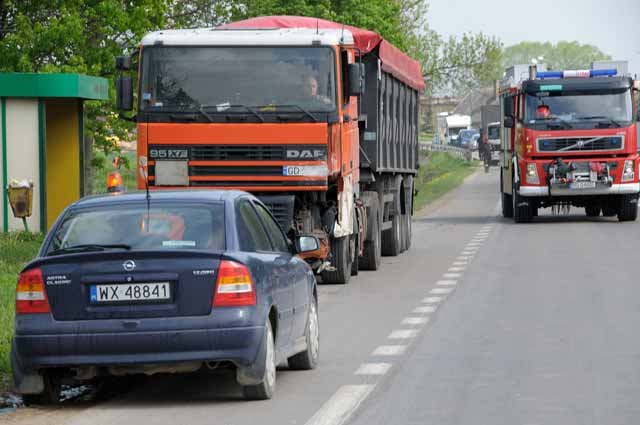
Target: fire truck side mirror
(124,93)
(508,122)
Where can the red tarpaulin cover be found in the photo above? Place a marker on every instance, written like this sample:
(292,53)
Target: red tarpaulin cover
(393,60)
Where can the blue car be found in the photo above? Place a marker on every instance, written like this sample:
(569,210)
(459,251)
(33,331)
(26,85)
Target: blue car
(173,282)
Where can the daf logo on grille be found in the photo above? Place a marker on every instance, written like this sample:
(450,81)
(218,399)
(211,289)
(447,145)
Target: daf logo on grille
(129,265)
(580,144)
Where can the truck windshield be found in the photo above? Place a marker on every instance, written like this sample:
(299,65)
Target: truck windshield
(238,79)
(578,110)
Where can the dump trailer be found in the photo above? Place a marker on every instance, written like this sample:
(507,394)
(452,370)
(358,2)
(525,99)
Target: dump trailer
(317,119)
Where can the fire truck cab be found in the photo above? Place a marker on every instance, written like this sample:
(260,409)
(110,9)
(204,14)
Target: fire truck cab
(570,139)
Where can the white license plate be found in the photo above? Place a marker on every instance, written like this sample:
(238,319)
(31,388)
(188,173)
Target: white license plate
(582,185)
(305,170)
(152,291)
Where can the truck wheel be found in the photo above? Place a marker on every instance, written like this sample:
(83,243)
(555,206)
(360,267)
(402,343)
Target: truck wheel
(355,248)
(507,203)
(408,231)
(341,259)
(371,253)
(628,208)
(392,238)
(522,211)
(592,210)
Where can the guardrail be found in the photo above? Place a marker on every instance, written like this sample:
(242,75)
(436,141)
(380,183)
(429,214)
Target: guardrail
(453,150)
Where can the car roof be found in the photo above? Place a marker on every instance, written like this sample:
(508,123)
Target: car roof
(161,195)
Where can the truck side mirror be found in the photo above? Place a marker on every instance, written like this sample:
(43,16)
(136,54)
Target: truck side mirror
(124,93)
(123,63)
(508,121)
(356,78)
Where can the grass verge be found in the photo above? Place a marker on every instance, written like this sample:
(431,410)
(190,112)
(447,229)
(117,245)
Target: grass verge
(440,173)
(15,250)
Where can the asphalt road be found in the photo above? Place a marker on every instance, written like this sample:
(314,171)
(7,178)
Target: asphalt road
(481,322)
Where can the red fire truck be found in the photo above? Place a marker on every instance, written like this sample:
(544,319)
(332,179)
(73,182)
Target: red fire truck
(569,138)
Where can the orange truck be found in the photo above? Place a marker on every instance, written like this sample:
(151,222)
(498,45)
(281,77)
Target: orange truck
(316,118)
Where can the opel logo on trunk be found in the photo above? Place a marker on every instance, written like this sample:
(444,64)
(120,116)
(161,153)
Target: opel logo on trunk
(129,265)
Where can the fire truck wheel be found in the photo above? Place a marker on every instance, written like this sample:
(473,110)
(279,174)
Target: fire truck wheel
(340,260)
(609,210)
(522,211)
(507,204)
(371,252)
(628,208)
(392,238)
(592,210)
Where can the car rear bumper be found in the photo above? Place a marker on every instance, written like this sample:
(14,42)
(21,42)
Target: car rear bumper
(47,343)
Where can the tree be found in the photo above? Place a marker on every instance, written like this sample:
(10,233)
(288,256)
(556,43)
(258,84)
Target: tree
(560,56)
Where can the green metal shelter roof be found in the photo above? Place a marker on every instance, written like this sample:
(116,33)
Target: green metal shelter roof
(53,85)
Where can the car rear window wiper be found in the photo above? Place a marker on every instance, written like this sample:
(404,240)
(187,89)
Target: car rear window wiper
(298,107)
(602,117)
(88,248)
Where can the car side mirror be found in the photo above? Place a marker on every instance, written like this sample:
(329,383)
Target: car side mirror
(356,76)
(307,243)
(508,121)
(124,93)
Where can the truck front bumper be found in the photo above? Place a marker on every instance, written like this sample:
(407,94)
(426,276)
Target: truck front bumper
(615,189)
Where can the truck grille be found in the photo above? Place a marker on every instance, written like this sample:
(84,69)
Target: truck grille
(581,144)
(206,170)
(238,153)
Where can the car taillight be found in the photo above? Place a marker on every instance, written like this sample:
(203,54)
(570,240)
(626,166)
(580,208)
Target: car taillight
(30,293)
(234,286)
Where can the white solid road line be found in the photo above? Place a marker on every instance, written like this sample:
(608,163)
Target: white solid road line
(415,320)
(341,405)
(432,300)
(389,350)
(373,368)
(425,309)
(441,291)
(403,334)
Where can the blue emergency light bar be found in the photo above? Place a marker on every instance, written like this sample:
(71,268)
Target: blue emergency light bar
(582,73)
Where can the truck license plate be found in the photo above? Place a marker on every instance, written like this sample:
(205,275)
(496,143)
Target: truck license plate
(582,185)
(119,293)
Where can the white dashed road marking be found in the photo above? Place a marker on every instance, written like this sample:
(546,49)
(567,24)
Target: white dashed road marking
(432,300)
(341,405)
(373,368)
(403,334)
(452,275)
(441,291)
(415,320)
(446,282)
(425,309)
(389,350)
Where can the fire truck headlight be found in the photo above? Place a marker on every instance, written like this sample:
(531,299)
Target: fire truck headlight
(532,174)
(628,172)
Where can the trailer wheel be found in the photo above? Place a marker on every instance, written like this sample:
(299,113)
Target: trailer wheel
(355,248)
(392,238)
(341,259)
(592,210)
(628,208)
(408,228)
(522,211)
(371,252)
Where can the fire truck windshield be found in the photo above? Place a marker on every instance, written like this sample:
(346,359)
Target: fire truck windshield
(569,110)
(255,80)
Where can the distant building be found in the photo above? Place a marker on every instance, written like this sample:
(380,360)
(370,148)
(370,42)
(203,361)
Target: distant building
(430,107)
(472,103)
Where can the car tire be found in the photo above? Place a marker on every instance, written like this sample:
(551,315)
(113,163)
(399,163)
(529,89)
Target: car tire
(628,210)
(340,259)
(592,210)
(50,395)
(265,389)
(372,250)
(308,359)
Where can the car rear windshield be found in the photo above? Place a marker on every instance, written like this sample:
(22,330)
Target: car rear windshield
(136,227)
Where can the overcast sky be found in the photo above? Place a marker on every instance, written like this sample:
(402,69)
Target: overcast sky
(611,25)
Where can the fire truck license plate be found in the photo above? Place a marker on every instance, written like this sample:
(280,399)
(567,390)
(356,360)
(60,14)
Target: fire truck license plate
(582,185)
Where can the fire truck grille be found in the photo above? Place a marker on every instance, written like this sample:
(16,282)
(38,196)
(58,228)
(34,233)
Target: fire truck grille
(581,144)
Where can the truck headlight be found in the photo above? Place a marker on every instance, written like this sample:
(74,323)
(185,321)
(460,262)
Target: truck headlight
(532,174)
(628,172)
